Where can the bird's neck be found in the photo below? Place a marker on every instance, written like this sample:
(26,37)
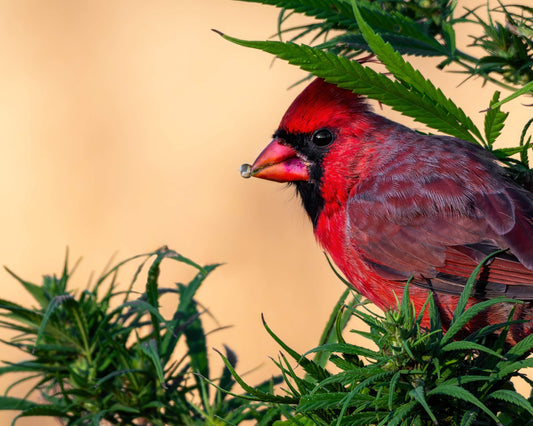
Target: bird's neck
(312,199)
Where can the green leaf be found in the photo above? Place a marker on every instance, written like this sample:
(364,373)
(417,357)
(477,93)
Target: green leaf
(459,322)
(149,347)
(184,312)
(505,368)
(330,400)
(521,348)
(196,342)
(35,290)
(187,292)
(44,410)
(334,12)
(418,394)
(400,414)
(392,388)
(404,71)
(116,374)
(18,313)
(313,369)
(226,380)
(512,397)
(523,90)
(11,403)
(461,380)
(143,307)
(460,393)
(504,153)
(346,348)
(403,33)
(152,294)
(494,120)
(467,291)
(328,334)
(54,304)
(464,345)
(255,394)
(402,44)
(353,76)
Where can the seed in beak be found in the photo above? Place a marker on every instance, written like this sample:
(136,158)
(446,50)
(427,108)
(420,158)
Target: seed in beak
(246,171)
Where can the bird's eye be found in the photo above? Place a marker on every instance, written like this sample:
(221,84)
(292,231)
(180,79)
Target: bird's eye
(322,137)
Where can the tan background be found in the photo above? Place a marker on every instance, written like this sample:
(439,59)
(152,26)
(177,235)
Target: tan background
(122,127)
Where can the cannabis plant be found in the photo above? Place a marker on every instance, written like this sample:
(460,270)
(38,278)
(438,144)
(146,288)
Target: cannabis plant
(106,355)
(404,374)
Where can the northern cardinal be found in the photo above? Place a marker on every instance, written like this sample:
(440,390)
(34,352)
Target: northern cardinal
(388,204)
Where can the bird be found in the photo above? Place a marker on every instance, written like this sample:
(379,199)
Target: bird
(391,205)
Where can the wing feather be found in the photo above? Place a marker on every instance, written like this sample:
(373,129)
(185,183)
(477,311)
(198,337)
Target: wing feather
(436,223)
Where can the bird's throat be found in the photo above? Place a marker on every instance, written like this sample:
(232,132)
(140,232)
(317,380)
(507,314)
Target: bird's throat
(312,199)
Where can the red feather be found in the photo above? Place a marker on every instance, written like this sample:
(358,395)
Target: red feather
(388,204)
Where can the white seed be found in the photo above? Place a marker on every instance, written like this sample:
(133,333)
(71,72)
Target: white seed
(246,170)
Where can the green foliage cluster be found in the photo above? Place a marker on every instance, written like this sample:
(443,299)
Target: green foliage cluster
(93,363)
(415,377)
(422,28)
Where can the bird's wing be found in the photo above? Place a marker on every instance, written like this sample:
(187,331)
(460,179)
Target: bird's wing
(438,227)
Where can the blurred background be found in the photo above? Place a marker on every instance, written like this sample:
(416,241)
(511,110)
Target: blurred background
(122,128)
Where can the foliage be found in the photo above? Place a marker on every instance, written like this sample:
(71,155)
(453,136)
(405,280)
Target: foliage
(92,362)
(414,377)
(421,28)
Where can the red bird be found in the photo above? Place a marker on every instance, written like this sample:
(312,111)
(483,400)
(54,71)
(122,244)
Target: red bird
(388,204)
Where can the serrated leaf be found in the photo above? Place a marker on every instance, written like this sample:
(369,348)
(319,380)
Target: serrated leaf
(465,317)
(494,120)
(505,368)
(405,72)
(460,393)
(353,76)
(403,33)
(346,348)
(334,12)
(521,348)
(465,295)
(403,44)
(399,414)
(503,153)
(523,90)
(513,398)
(462,345)
(418,394)
(44,410)
(462,380)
